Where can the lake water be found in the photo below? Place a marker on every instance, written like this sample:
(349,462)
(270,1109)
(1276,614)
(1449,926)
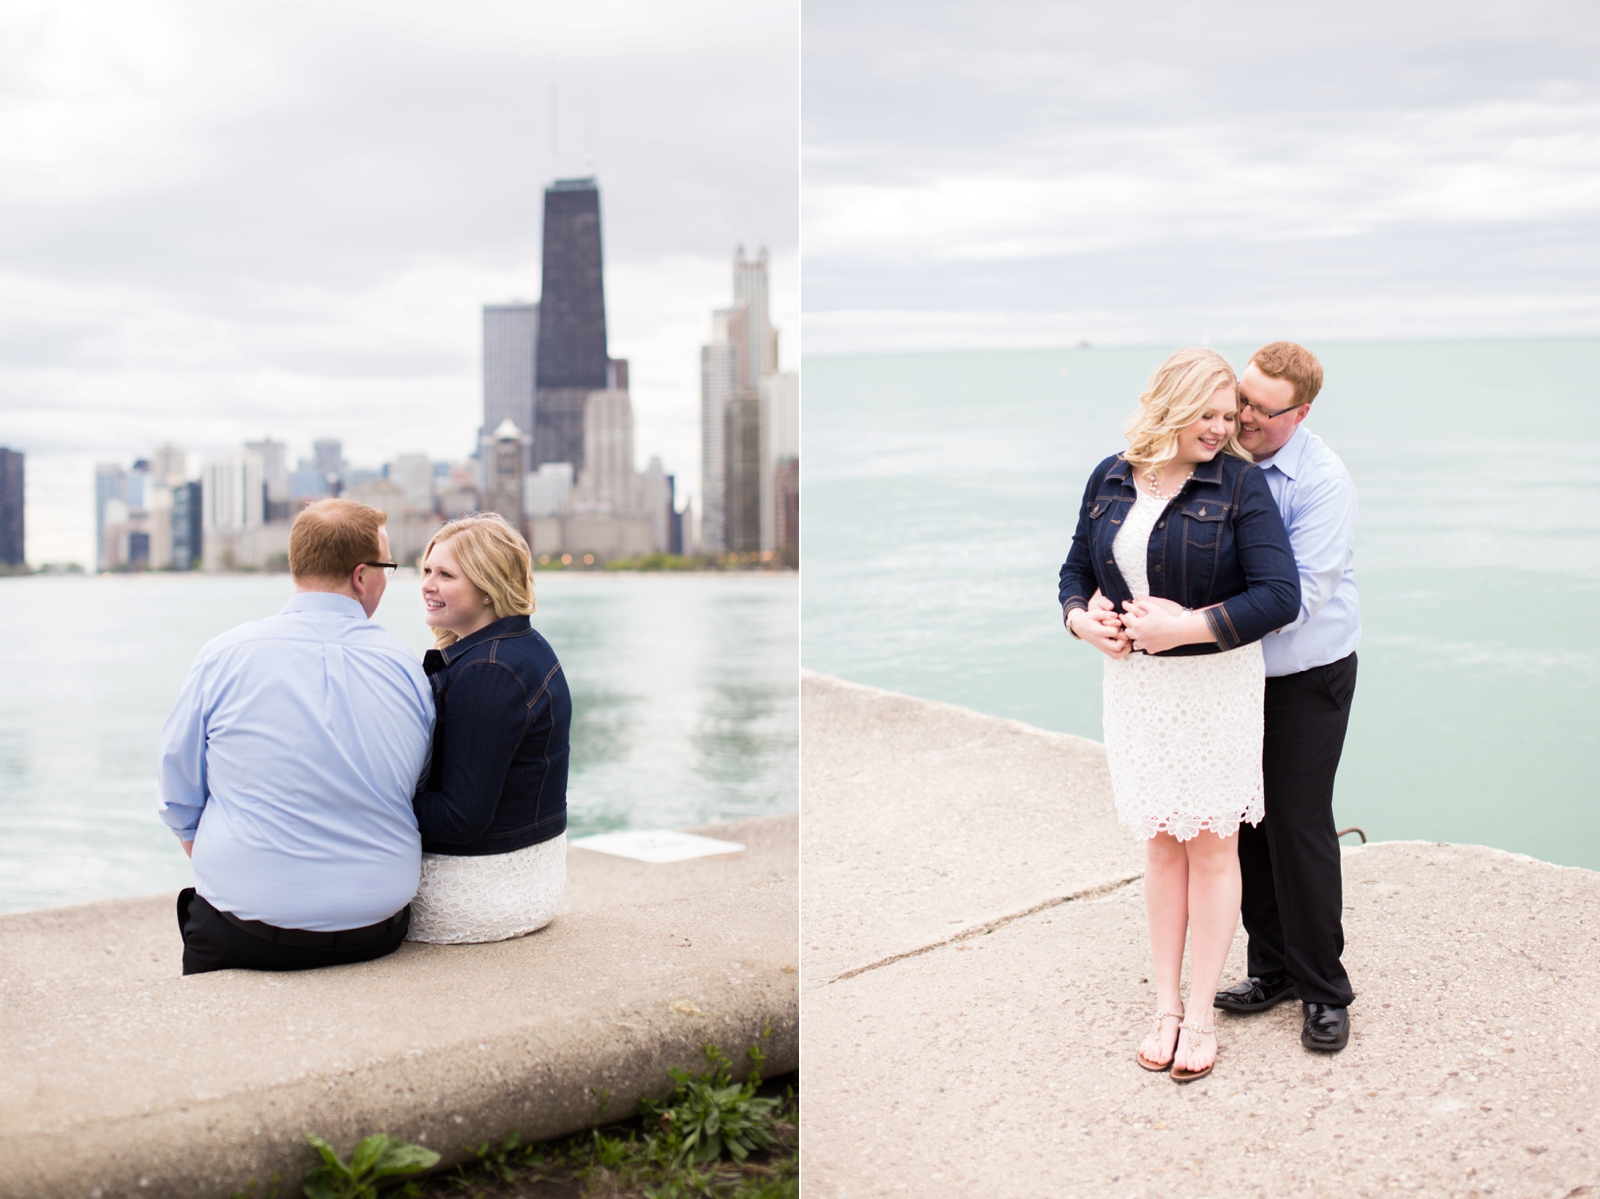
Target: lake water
(685,700)
(941,491)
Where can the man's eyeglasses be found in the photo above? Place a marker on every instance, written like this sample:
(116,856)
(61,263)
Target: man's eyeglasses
(388,567)
(1261,412)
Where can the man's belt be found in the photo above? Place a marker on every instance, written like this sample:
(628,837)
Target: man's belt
(304,939)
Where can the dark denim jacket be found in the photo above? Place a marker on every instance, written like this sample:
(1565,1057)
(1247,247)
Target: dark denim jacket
(1220,541)
(498,781)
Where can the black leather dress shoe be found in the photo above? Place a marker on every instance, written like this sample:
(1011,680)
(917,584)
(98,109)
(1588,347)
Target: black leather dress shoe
(1255,994)
(1327,1027)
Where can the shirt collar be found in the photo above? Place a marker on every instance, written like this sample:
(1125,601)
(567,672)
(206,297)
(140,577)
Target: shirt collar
(1204,472)
(506,626)
(325,601)
(1291,453)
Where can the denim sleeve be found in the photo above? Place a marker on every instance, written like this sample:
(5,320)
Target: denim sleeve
(1271,597)
(482,724)
(1077,572)
(181,759)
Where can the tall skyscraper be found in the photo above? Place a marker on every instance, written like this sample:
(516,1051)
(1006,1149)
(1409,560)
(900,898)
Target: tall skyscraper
(510,357)
(572,357)
(329,453)
(506,476)
(780,450)
(750,288)
(11,495)
(110,487)
(743,350)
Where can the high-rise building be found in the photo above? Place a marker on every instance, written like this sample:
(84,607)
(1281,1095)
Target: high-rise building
(413,474)
(743,350)
(572,357)
(329,455)
(505,479)
(169,464)
(780,445)
(110,487)
(608,481)
(232,492)
(11,514)
(751,289)
(741,441)
(510,358)
(275,477)
(186,525)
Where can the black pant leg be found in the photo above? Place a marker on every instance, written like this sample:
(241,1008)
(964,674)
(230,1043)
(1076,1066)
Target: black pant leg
(212,943)
(1258,902)
(1307,715)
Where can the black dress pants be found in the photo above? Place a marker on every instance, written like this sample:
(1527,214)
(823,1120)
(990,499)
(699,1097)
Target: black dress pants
(212,943)
(1293,898)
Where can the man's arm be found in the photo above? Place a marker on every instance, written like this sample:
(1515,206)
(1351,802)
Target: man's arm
(181,763)
(1322,528)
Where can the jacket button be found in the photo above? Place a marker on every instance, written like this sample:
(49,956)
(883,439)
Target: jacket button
(1202,512)
(1108,561)
(1158,568)
(1161,524)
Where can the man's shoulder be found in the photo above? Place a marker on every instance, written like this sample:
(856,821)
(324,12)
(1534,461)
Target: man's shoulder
(1319,463)
(272,634)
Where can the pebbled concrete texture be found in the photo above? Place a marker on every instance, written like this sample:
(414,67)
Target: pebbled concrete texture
(1001,1063)
(120,1077)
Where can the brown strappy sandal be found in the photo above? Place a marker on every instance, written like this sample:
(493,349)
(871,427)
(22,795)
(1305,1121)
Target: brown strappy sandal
(1158,1067)
(1179,1074)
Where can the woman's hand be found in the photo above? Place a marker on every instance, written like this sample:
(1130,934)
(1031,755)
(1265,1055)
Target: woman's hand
(1101,628)
(1153,625)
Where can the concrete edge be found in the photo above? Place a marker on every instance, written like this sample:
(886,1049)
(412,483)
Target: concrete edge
(543,1080)
(1006,722)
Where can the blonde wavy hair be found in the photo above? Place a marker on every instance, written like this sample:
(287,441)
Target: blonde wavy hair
(1174,397)
(496,561)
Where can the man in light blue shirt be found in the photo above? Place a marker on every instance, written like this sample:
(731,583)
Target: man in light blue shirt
(289,761)
(1293,895)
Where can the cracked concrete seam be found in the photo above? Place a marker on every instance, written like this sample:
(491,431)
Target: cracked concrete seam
(1098,891)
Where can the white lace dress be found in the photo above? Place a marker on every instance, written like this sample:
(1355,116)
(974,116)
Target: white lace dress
(1183,735)
(466,900)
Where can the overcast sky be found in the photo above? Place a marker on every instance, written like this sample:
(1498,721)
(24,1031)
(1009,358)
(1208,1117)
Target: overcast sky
(1029,174)
(225,220)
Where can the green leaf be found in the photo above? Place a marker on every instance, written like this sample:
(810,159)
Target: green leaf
(401,1158)
(367,1154)
(320,1188)
(329,1157)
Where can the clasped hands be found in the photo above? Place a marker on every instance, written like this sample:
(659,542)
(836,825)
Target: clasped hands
(1150,624)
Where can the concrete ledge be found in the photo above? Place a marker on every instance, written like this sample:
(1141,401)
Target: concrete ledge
(119,1077)
(996,1059)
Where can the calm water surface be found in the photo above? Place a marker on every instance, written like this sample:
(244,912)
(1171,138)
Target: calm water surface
(942,489)
(684,694)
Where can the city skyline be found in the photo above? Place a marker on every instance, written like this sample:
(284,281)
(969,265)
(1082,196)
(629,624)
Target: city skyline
(176,286)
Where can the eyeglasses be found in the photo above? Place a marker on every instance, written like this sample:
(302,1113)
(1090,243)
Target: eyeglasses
(388,568)
(1262,412)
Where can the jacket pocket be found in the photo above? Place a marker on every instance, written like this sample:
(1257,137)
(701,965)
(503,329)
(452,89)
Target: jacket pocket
(1202,522)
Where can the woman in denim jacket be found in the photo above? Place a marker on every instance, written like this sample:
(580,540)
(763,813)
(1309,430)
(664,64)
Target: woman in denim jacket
(493,810)
(1179,566)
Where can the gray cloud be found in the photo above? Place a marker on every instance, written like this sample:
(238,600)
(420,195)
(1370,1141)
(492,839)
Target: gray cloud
(219,220)
(1032,174)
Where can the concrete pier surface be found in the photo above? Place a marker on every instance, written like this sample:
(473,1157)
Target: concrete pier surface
(976,972)
(120,1077)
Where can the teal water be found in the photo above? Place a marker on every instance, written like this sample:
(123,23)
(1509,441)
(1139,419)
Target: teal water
(685,702)
(941,491)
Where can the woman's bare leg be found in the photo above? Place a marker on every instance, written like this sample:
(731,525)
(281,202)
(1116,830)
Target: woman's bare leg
(1166,907)
(1213,918)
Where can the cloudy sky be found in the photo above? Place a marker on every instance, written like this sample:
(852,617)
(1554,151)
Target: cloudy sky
(225,220)
(1035,174)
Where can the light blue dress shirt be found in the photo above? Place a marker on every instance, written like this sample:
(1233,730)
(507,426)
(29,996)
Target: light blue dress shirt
(290,760)
(1317,499)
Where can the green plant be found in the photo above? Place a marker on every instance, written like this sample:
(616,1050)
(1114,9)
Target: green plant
(709,1114)
(378,1156)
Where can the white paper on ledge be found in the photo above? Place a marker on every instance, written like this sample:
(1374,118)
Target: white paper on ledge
(658,846)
